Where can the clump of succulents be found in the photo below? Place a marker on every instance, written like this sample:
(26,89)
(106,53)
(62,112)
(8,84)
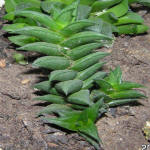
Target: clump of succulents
(67,34)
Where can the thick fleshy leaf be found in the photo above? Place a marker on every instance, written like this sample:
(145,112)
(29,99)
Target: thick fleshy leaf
(10,5)
(62,75)
(83,12)
(87,61)
(84,38)
(118,102)
(97,94)
(13,27)
(52,62)
(120,9)
(108,17)
(82,98)
(89,82)
(22,40)
(76,27)
(101,26)
(104,85)
(10,16)
(43,19)
(67,14)
(42,33)
(126,86)
(115,76)
(78,107)
(67,122)
(54,92)
(33,5)
(103,4)
(130,17)
(90,140)
(44,48)
(90,129)
(48,6)
(83,50)
(127,94)
(68,87)
(51,99)
(132,29)
(19,58)
(60,109)
(83,75)
(91,113)
(27,21)
(43,86)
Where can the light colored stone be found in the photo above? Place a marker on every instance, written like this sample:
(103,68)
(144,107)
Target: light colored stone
(2,2)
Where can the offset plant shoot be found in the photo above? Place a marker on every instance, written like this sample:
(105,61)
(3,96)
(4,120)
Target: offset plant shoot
(67,33)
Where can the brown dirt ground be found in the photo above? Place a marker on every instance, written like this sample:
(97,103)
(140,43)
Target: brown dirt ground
(121,129)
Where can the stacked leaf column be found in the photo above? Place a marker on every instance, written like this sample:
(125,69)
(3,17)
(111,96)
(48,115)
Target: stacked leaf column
(80,93)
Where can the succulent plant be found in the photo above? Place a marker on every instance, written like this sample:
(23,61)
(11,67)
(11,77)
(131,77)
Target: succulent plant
(67,37)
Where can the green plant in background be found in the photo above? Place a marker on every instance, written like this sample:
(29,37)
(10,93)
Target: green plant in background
(115,12)
(68,33)
(20,59)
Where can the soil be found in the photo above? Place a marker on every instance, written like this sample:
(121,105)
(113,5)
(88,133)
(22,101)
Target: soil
(119,129)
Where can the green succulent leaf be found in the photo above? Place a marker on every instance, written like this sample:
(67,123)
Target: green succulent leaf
(90,140)
(81,51)
(88,83)
(83,75)
(132,29)
(91,113)
(127,86)
(51,99)
(41,33)
(120,9)
(52,62)
(78,107)
(97,94)
(62,75)
(43,19)
(33,5)
(50,6)
(76,26)
(9,16)
(43,48)
(90,129)
(82,98)
(20,58)
(84,38)
(13,27)
(59,109)
(115,76)
(10,5)
(43,86)
(118,102)
(103,4)
(68,121)
(27,21)
(83,12)
(130,17)
(22,40)
(70,86)
(104,85)
(127,94)
(67,15)
(54,91)
(85,62)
